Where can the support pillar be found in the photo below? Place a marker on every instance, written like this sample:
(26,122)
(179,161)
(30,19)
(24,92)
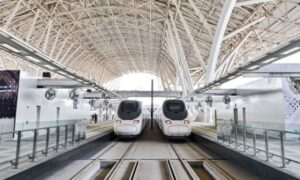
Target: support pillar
(235,119)
(152,104)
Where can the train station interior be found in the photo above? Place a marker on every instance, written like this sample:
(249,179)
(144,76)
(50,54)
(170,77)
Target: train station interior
(150,89)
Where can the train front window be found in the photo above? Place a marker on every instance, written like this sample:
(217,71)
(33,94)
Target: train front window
(129,109)
(175,109)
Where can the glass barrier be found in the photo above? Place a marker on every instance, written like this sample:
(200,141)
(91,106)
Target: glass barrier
(269,142)
(32,139)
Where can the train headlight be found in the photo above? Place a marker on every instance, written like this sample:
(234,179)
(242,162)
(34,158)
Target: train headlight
(118,121)
(186,122)
(136,121)
(168,122)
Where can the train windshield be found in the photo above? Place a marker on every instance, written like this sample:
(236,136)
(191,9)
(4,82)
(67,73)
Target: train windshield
(175,109)
(129,107)
(129,110)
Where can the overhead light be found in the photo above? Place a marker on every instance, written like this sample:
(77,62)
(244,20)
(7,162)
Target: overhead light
(49,67)
(33,59)
(253,67)
(231,77)
(61,72)
(42,56)
(22,44)
(269,60)
(25,51)
(290,51)
(10,48)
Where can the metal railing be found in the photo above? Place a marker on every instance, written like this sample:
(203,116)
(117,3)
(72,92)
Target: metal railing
(42,137)
(256,140)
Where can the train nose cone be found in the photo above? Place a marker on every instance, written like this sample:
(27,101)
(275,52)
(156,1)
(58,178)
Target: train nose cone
(179,130)
(126,129)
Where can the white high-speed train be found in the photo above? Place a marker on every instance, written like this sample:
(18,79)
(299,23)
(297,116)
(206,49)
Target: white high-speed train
(130,119)
(173,119)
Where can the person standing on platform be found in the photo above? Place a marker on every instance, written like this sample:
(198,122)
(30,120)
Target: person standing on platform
(96,118)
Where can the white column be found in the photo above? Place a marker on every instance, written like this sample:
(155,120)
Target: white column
(172,52)
(190,36)
(181,55)
(218,38)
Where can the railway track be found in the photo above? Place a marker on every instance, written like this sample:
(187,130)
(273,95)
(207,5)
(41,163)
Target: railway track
(214,170)
(209,165)
(133,169)
(112,173)
(153,157)
(201,169)
(91,170)
(190,174)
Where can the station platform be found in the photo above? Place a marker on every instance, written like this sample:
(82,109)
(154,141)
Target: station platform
(256,147)
(147,157)
(150,156)
(204,129)
(94,129)
(101,152)
(8,147)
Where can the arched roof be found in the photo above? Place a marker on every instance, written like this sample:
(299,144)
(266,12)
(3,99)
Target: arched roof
(188,39)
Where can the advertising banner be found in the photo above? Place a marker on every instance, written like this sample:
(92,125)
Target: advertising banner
(9,84)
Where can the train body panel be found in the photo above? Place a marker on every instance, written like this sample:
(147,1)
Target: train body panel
(130,119)
(173,119)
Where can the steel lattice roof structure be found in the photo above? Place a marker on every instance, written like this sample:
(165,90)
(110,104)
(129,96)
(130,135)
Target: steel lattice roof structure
(184,42)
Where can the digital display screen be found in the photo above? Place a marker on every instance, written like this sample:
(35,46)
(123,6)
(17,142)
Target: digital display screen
(9,84)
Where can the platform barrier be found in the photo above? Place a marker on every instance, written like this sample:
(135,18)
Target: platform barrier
(30,139)
(277,146)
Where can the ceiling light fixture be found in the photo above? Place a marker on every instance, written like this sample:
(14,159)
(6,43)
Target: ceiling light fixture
(33,59)
(253,67)
(61,72)
(290,51)
(25,51)
(231,77)
(25,46)
(9,47)
(275,54)
(269,60)
(49,67)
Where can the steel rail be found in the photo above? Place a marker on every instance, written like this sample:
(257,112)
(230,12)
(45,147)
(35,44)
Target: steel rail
(90,163)
(112,172)
(187,169)
(210,166)
(133,174)
(171,170)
